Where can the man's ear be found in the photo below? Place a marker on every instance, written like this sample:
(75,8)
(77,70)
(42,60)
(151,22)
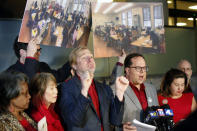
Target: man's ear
(22,52)
(126,70)
(74,66)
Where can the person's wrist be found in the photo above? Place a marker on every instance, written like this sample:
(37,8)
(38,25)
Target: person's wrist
(119,94)
(84,92)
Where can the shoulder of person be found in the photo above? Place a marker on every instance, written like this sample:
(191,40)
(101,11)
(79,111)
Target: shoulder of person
(44,65)
(188,94)
(70,83)
(149,85)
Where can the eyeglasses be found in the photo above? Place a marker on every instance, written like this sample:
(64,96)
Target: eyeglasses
(139,69)
(39,50)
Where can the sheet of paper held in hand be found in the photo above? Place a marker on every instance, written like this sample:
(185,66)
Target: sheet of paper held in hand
(142,126)
(42,124)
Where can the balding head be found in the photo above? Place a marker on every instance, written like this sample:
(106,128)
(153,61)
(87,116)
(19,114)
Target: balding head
(186,67)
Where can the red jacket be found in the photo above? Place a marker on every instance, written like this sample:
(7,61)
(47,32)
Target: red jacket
(53,121)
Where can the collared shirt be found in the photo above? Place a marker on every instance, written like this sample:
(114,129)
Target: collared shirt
(94,96)
(141,95)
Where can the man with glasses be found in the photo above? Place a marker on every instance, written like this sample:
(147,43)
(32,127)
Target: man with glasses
(28,55)
(186,67)
(139,95)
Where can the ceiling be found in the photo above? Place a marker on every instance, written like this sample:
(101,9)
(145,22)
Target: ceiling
(118,5)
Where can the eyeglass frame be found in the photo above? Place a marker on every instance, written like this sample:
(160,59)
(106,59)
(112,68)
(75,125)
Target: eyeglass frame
(39,50)
(139,69)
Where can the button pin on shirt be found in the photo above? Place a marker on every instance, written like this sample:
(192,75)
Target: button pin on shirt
(164,101)
(149,99)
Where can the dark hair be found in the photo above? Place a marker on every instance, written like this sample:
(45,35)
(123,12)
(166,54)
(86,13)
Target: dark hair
(168,79)
(38,87)
(17,46)
(128,62)
(10,82)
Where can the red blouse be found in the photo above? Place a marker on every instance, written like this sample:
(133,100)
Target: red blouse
(53,121)
(181,107)
(26,125)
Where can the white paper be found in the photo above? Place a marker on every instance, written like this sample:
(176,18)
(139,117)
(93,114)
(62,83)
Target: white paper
(42,124)
(142,126)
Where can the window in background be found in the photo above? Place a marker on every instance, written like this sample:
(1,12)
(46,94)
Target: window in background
(170,4)
(129,20)
(158,16)
(171,21)
(184,5)
(184,22)
(124,19)
(146,16)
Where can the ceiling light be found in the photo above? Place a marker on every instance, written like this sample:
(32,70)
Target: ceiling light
(123,7)
(169,2)
(109,8)
(193,7)
(191,19)
(181,24)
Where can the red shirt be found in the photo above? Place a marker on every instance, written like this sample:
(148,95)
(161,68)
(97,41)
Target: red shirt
(26,125)
(53,121)
(141,95)
(94,96)
(181,107)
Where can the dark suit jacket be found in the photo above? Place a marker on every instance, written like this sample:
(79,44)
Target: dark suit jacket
(78,112)
(32,66)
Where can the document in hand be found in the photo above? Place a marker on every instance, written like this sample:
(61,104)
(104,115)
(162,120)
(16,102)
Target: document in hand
(42,124)
(142,126)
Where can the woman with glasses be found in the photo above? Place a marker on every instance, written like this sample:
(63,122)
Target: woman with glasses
(172,87)
(44,95)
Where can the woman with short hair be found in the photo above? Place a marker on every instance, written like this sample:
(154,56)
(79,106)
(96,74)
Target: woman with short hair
(14,99)
(44,95)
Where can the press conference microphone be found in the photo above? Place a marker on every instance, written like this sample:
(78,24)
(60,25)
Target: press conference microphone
(169,116)
(150,116)
(162,117)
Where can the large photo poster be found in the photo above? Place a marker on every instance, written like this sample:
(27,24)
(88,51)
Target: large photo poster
(63,23)
(132,26)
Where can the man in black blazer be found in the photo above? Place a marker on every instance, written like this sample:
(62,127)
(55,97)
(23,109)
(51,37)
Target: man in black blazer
(28,61)
(85,104)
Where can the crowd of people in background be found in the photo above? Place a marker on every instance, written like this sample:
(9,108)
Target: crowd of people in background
(56,25)
(121,37)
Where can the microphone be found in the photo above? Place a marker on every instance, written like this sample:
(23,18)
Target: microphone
(150,116)
(169,116)
(159,116)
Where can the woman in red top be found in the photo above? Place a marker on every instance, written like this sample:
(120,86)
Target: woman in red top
(44,94)
(172,87)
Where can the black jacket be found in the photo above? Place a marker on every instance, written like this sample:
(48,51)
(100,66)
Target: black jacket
(32,66)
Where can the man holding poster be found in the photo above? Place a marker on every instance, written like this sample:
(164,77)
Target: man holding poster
(28,61)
